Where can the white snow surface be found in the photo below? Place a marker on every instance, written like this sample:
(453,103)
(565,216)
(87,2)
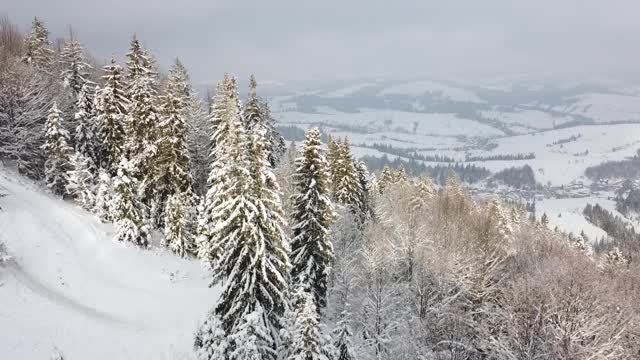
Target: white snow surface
(70,286)
(604,108)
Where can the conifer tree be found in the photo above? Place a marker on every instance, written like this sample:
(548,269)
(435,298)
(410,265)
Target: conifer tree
(75,69)
(142,119)
(104,196)
(257,115)
(130,226)
(37,51)
(171,171)
(277,144)
(364,197)
(248,242)
(85,134)
(57,152)
(198,140)
(333,157)
(342,339)
(81,181)
(347,188)
(111,106)
(387,178)
(311,248)
(178,230)
(308,340)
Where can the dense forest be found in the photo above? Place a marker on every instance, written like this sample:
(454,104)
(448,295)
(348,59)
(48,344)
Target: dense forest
(316,258)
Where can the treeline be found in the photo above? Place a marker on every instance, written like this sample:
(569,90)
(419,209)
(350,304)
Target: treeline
(295,133)
(468,173)
(408,153)
(565,140)
(620,232)
(624,169)
(505,157)
(518,177)
(628,198)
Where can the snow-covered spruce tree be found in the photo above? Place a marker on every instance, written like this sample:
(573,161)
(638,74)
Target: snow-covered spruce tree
(226,107)
(178,229)
(333,157)
(125,207)
(311,248)
(249,248)
(257,115)
(104,196)
(342,335)
(198,140)
(85,134)
(142,119)
(171,171)
(75,69)
(387,178)
(348,187)
(37,51)
(277,145)
(308,341)
(364,196)
(81,181)
(57,152)
(111,106)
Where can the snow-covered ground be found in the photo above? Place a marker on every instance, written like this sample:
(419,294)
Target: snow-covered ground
(70,286)
(604,108)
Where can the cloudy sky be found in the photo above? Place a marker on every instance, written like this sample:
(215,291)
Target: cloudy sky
(331,39)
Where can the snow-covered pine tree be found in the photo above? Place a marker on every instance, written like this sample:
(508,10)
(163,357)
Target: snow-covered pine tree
(252,113)
(178,229)
(333,157)
(247,244)
(277,144)
(139,62)
(308,339)
(75,69)
(178,83)
(387,178)
(347,188)
(257,115)
(225,108)
(171,171)
(57,152)
(198,140)
(85,134)
(342,339)
(364,196)
(104,196)
(311,248)
(111,106)
(37,51)
(142,122)
(81,181)
(74,74)
(125,207)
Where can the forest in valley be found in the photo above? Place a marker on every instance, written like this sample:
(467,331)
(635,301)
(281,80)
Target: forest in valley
(316,256)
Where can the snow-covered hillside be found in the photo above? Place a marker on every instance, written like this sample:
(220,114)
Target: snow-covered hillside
(70,286)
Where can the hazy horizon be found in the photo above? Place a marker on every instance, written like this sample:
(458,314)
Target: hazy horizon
(289,41)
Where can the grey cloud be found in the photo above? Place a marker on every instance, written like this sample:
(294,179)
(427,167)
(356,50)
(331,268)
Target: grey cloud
(287,39)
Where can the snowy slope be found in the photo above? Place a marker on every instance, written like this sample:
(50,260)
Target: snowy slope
(603,108)
(70,286)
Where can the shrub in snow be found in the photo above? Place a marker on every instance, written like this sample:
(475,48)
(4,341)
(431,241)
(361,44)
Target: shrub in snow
(80,181)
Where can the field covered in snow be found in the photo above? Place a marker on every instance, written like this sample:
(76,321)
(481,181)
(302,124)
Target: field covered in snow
(69,285)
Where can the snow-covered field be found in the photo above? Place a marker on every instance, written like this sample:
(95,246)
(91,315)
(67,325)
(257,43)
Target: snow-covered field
(70,286)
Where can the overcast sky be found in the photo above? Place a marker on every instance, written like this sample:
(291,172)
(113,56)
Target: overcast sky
(327,39)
